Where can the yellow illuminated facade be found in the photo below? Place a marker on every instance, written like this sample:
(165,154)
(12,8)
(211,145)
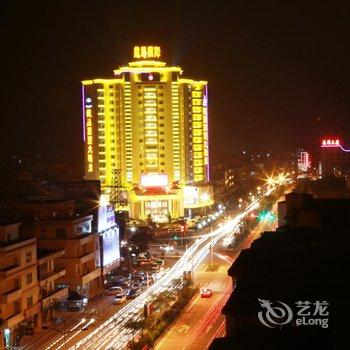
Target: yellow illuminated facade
(147,119)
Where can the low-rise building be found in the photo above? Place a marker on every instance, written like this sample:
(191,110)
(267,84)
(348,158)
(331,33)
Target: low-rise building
(19,287)
(56,225)
(79,260)
(51,289)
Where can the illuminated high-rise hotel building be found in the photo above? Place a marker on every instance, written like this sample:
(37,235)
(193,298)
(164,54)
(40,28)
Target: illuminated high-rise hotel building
(146,130)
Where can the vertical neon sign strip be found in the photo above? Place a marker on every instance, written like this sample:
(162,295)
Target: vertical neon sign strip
(83,111)
(207,121)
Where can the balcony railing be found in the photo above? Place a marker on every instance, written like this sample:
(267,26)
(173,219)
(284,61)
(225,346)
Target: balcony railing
(53,275)
(81,259)
(9,269)
(11,295)
(54,296)
(89,276)
(11,321)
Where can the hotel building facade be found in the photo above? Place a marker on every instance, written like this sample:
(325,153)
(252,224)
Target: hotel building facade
(146,134)
(335,159)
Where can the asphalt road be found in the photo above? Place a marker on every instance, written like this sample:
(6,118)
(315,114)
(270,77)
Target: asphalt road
(110,330)
(202,320)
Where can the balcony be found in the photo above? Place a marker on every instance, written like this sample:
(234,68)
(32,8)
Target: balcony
(51,276)
(13,320)
(5,271)
(33,310)
(55,295)
(78,259)
(10,296)
(89,276)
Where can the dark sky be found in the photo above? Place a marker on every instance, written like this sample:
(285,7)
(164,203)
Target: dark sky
(279,74)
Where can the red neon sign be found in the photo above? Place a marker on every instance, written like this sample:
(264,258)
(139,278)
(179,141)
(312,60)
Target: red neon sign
(330,142)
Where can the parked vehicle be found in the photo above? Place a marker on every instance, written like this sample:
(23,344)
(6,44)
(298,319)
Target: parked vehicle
(133,293)
(119,298)
(154,269)
(75,305)
(114,290)
(75,301)
(147,280)
(124,284)
(159,262)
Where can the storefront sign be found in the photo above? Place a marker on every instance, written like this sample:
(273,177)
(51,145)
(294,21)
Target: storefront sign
(89,138)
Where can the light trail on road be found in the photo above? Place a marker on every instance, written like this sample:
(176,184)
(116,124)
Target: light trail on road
(113,333)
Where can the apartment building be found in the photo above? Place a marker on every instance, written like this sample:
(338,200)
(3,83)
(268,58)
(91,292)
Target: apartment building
(20,309)
(51,288)
(79,259)
(56,225)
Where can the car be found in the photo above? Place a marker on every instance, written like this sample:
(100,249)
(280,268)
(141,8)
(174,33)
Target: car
(147,280)
(206,293)
(114,290)
(123,284)
(133,293)
(139,260)
(135,284)
(137,279)
(145,262)
(119,298)
(154,268)
(146,255)
(159,262)
(167,248)
(75,306)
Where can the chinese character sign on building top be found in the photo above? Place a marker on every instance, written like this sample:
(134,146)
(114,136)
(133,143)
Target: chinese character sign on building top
(147,52)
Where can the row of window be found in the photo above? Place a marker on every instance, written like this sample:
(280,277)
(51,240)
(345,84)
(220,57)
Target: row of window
(150,163)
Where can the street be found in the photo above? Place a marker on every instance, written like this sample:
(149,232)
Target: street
(202,320)
(110,330)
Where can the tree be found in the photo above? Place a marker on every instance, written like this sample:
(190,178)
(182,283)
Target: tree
(142,238)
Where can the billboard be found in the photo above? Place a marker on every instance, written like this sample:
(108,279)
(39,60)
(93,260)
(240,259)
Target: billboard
(197,196)
(106,217)
(154,180)
(110,246)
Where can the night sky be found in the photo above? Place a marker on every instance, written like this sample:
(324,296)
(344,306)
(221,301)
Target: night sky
(279,74)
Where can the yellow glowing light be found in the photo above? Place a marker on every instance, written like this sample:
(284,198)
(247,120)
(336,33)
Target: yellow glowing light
(89,139)
(205,197)
(270,181)
(147,52)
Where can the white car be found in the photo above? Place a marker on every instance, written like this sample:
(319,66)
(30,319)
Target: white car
(114,290)
(167,248)
(119,298)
